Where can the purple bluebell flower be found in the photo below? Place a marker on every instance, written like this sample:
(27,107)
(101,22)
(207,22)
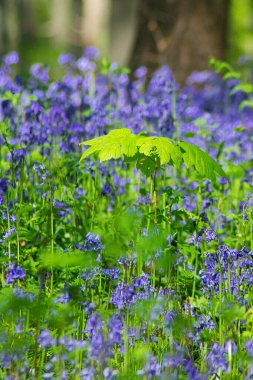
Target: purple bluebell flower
(111,273)
(63,298)
(14,273)
(230,347)
(19,154)
(109,373)
(126,295)
(65,59)
(140,72)
(106,189)
(45,339)
(3,186)
(115,327)
(206,235)
(9,232)
(39,72)
(216,359)
(192,372)
(88,373)
(91,52)
(92,243)
(248,345)
(151,369)
(11,58)
(84,64)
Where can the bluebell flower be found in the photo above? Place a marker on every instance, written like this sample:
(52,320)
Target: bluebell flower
(216,359)
(91,52)
(230,347)
(12,58)
(22,294)
(19,154)
(88,373)
(151,369)
(84,64)
(206,235)
(106,189)
(65,59)
(126,295)
(110,374)
(192,372)
(3,186)
(45,339)
(140,72)
(62,298)
(115,330)
(15,273)
(111,273)
(248,345)
(39,72)
(9,232)
(90,274)
(92,243)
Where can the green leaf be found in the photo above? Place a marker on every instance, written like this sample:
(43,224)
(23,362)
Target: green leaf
(247,88)
(166,149)
(151,152)
(240,128)
(189,134)
(204,164)
(220,67)
(63,260)
(232,75)
(117,143)
(146,165)
(246,103)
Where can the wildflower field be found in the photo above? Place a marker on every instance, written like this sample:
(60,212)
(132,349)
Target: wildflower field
(125,260)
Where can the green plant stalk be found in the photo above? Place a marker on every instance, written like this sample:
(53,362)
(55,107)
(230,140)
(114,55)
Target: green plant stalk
(251,233)
(155,192)
(51,235)
(150,207)
(21,186)
(126,361)
(140,263)
(94,200)
(195,275)
(9,226)
(220,309)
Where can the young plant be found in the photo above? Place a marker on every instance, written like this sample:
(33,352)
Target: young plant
(150,152)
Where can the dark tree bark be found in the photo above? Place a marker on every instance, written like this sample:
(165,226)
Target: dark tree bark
(181,33)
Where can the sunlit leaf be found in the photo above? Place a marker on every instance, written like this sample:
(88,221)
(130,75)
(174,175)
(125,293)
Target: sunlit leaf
(204,164)
(154,151)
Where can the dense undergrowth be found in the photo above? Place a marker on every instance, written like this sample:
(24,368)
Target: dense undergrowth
(99,280)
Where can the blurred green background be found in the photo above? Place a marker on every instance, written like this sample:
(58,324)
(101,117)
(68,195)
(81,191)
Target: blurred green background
(42,29)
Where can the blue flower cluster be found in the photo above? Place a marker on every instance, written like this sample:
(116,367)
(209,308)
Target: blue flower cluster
(229,271)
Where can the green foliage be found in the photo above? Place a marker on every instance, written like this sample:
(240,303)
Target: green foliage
(204,164)
(117,143)
(65,260)
(247,88)
(225,69)
(151,152)
(246,103)
(146,165)
(166,149)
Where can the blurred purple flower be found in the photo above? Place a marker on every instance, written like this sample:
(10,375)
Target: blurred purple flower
(11,58)
(14,273)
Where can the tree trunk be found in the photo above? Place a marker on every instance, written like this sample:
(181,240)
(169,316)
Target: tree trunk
(122,28)
(9,31)
(95,24)
(181,33)
(61,21)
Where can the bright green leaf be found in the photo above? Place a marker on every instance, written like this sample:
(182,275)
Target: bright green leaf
(204,164)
